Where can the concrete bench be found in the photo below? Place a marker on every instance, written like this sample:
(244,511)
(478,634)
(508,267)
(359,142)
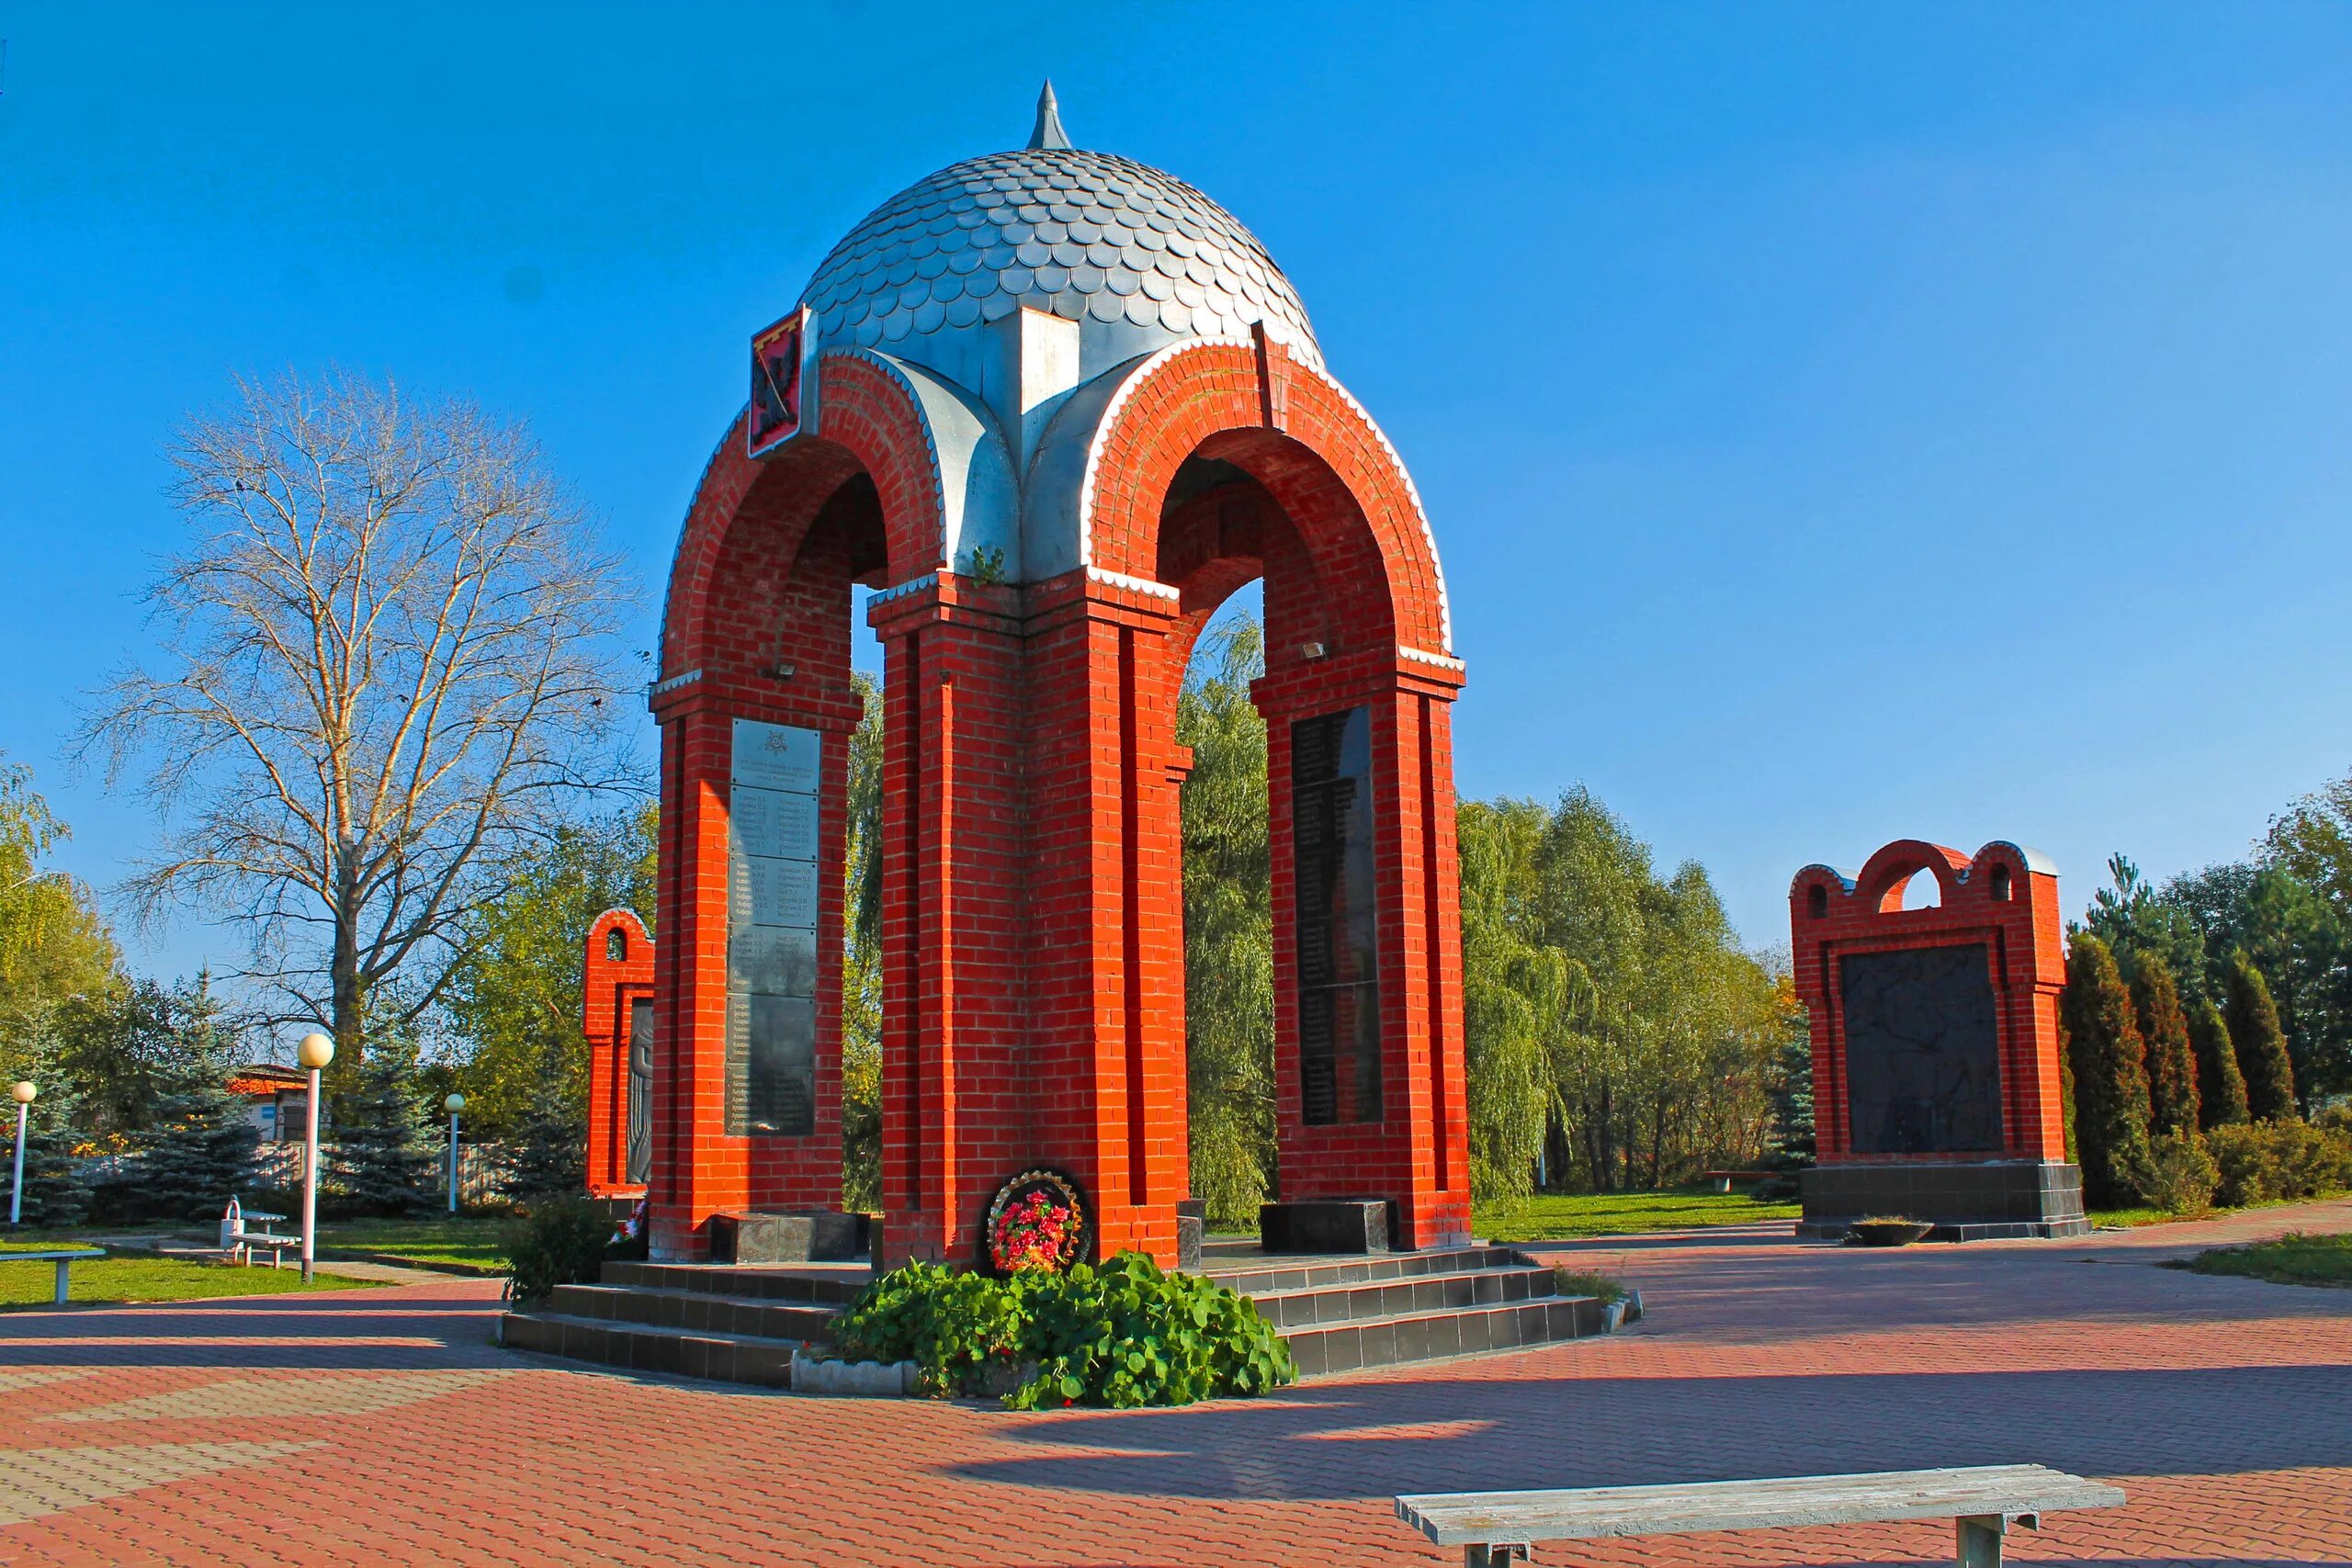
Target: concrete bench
(242,1243)
(1497,1527)
(1721,1180)
(63,1256)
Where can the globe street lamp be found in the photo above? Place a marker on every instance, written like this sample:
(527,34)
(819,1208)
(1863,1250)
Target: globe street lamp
(454,1104)
(24,1093)
(315,1052)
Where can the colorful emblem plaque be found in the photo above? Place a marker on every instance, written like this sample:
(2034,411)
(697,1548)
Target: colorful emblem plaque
(776,382)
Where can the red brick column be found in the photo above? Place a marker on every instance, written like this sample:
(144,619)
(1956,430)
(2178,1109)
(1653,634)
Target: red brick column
(1417,1154)
(611,985)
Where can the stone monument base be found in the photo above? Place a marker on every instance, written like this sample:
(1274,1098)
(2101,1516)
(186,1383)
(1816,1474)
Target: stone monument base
(788,1236)
(1984,1200)
(1325,1224)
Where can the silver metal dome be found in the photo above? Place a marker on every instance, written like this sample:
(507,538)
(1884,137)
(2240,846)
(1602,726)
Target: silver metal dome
(1134,255)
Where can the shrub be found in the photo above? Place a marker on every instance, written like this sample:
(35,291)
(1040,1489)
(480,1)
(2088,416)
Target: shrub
(1120,1334)
(547,1157)
(2172,1060)
(2110,1076)
(561,1242)
(2252,1019)
(2181,1177)
(2280,1161)
(2221,1087)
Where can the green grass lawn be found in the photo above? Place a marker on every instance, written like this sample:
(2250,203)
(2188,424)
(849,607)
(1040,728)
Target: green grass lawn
(2293,1260)
(465,1240)
(1552,1217)
(133,1277)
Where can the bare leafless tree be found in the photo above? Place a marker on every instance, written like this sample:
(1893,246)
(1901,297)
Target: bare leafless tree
(387,660)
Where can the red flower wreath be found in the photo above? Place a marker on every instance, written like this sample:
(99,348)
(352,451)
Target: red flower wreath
(1035,1223)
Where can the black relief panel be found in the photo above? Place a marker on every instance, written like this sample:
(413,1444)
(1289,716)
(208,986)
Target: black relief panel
(1339,970)
(1922,1053)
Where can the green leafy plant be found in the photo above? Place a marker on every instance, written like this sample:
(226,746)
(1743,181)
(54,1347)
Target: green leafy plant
(987,563)
(1567,1281)
(1120,1332)
(561,1242)
(2181,1175)
(2294,1259)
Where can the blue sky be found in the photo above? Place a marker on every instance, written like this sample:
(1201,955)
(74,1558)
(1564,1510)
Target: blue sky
(1840,422)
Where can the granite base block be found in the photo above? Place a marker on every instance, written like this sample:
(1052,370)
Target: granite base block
(1352,1226)
(1975,1201)
(791,1235)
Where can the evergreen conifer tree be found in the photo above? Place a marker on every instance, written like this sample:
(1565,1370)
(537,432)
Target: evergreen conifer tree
(546,1156)
(2261,1044)
(196,1155)
(2221,1087)
(2110,1076)
(2164,1030)
(57,1185)
(381,1161)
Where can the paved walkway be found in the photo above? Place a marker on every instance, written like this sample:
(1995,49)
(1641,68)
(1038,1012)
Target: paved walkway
(378,1427)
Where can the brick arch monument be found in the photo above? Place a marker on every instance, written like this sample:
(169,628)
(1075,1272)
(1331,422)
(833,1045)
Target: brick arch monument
(1052,407)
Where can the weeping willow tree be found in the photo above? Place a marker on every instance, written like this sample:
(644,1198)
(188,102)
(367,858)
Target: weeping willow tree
(1228,926)
(1517,995)
(862,963)
(1612,1002)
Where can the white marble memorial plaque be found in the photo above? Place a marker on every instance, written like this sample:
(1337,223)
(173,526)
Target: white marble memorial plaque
(777,756)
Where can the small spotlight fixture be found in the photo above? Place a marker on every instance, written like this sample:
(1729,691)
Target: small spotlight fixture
(1310,650)
(781,671)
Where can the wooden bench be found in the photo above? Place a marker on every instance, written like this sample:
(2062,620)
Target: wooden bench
(1497,1527)
(1721,1180)
(63,1256)
(241,1243)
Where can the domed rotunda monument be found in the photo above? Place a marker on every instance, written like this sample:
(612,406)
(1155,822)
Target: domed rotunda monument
(1052,407)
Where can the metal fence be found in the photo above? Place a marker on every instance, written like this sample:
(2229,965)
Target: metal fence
(480,1179)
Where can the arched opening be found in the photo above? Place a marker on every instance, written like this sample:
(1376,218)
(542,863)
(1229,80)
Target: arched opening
(748,1109)
(1222,533)
(1922,891)
(616,946)
(2000,885)
(1816,901)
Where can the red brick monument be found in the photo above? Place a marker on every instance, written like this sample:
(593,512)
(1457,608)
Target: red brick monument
(1935,1044)
(1053,407)
(617,1017)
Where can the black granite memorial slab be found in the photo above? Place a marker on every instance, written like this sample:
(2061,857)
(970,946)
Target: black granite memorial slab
(1325,1224)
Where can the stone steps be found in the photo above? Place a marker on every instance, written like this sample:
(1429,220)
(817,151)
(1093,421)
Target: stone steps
(694,1312)
(1346,1346)
(647,1348)
(742,1323)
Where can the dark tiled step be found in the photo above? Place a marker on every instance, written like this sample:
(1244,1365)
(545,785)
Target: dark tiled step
(694,1312)
(1397,1298)
(727,1358)
(782,1282)
(1463,1331)
(1263,1274)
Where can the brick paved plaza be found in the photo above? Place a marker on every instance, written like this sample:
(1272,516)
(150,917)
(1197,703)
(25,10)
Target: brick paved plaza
(377,1425)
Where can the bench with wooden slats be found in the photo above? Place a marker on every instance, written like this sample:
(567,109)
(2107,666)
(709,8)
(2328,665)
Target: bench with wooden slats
(1496,1527)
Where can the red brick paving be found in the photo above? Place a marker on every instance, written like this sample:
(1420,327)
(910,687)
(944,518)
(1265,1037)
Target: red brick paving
(2222,1407)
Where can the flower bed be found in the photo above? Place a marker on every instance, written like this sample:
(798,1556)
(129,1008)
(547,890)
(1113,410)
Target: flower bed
(1120,1334)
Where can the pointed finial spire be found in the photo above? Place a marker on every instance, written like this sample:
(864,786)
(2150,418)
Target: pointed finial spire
(1048,131)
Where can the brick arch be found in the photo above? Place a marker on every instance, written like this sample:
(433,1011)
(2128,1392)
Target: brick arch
(1886,873)
(1300,436)
(870,425)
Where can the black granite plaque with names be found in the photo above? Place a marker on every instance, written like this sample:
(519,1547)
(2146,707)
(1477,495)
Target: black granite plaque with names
(1333,920)
(1923,1072)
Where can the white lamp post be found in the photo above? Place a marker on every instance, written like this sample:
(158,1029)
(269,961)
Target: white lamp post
(24,1093)
(315,1052)
(454,1104)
